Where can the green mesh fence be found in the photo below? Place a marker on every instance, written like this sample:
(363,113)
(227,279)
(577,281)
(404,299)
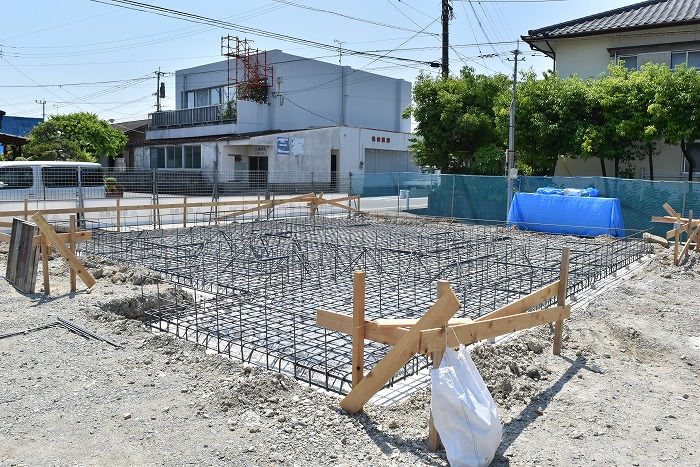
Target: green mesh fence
(481,199)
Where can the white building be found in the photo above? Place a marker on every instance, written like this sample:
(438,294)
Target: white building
(658,31)
(295,119)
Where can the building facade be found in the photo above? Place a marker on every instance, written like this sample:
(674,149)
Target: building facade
(657,31)
(292,118)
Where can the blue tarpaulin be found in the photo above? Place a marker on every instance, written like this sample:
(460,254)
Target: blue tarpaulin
(575,215)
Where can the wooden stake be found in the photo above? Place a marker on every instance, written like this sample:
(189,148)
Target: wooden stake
(561,298)
(44,244)
(358,327)
(405,348)
(74,262)
(676,244)
(433,436)
(26,208)
(71,242)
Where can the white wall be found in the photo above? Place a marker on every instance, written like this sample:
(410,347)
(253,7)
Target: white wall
(308,93)
(589,57)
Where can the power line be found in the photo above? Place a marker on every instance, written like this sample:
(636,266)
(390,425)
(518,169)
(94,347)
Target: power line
(190,17)
(353,18)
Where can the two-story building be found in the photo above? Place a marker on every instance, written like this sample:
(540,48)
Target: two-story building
(658,31)
(289,118)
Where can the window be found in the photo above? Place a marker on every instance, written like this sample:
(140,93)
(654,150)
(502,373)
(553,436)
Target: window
(158,158)
(91,177)
(630,61)
(204,97)
(689,59)
(173,157)
(193,157)
(176,157)
(16,177)
(59,177)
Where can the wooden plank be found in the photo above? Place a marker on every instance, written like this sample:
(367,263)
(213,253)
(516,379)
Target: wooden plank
(71,243)
(525,303)
(433,435)
(667,207)
(269,204)
(434,339)
(443,309)
(676,243)
(12,252)
(688,243)
(561,298)
(673,220)
(341,322)
(23,259)
(358,327)
(408,322)
(80,235)
(73,261)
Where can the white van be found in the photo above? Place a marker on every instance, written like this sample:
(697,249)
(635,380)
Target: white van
(46,180)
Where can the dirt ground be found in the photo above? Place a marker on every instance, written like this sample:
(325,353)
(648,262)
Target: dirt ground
(624,391)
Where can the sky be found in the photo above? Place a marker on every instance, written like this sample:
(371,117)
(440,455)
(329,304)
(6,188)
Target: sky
(102,56)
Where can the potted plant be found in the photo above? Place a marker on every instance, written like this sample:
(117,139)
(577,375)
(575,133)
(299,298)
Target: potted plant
(113,189)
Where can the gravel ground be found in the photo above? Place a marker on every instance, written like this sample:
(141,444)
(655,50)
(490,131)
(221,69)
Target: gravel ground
(624,391)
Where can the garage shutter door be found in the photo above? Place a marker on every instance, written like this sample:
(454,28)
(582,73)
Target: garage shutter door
(382,161)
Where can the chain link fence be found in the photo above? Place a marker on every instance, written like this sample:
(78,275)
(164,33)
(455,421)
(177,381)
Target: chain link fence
(469,198)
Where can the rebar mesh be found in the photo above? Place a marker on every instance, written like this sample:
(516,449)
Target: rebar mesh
(255,286)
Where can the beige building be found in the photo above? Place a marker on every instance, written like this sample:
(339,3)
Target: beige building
(659,31)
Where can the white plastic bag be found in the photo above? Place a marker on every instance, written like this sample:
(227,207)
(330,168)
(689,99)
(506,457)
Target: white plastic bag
(464,412)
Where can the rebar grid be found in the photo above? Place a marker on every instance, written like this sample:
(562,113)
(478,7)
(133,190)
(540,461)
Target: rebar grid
(257,284)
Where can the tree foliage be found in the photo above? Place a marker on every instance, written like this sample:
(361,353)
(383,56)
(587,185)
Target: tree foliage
(455,118)
(74,137)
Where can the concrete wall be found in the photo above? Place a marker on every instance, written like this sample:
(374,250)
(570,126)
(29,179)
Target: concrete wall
(350,145)
(307,93)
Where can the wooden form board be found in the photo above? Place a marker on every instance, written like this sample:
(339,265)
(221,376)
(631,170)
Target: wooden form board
(435,331)
(22,258)
(119,207)
(443,309)
(682,225)
(73,261)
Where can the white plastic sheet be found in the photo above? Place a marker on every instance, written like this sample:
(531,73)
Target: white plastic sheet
(464,412)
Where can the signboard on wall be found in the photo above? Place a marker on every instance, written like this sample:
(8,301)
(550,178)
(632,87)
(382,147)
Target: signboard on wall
(283,145)
(290,145)
(297,146)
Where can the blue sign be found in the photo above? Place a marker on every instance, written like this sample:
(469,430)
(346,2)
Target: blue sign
(283,145)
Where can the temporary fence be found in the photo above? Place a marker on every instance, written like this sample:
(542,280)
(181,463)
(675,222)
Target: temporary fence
(483,199)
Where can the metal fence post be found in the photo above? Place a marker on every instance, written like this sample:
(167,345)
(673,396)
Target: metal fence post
(80,201)
(452,208)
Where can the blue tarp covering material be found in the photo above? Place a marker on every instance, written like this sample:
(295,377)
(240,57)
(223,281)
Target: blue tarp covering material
(571,191)
(575,215)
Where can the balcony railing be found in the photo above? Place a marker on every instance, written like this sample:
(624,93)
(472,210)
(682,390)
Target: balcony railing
(195,116)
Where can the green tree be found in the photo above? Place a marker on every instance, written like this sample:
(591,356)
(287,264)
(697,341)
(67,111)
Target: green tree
(78,136)
(455,118)
(675,110)
(549,115)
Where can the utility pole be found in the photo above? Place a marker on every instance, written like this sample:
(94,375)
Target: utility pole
(43,108)
(511,132)
(446,16)
(160,89)
(342,81)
